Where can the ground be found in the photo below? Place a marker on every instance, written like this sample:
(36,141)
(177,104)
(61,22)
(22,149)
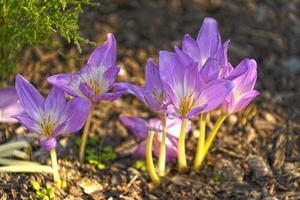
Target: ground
(256,154)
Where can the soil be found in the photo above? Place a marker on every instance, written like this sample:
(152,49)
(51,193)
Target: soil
(256,154)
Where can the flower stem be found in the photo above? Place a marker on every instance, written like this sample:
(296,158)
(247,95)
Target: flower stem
(11,162)
(162,148)
(55,167)
(213,134)
(182,165)
(85,133)
(14,145)
(201,143)
(149,159)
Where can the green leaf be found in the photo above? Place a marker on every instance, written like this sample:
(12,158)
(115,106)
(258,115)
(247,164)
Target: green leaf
(36,186)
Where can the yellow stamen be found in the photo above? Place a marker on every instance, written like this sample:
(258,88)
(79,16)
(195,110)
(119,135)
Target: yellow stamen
(187,103)
(95,87)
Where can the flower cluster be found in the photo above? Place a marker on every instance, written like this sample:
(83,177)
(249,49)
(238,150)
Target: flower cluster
(188,82)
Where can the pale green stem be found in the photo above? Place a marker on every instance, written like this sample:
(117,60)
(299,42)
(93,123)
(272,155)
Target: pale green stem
(55,167)
(4,161)
(26,169)
(85,133)
(182,165)
(149,160)
(162,148)
(201,143)
(15,153)
(213,134)
(14,145)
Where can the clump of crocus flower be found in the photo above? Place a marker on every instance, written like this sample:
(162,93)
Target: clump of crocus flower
(50,117)
(94,82)
(141,128)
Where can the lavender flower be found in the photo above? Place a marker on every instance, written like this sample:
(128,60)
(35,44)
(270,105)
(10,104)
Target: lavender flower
(244,78)
(96,80)
(9,104)
(153,93)
(140,129)
(189,93)
(52,116)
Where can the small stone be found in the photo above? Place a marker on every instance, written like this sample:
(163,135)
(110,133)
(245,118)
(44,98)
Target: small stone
(259,167)
(90,186)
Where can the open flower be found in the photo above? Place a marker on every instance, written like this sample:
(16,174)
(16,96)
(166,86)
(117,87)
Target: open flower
(96,80)
(52,116)
(189,93)
(244,78)
(153,93)
(9,104)
(140,129)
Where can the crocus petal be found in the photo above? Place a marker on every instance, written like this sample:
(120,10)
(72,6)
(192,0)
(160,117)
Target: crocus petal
(104,55)
(133,89)
(174,125)
(136,125)
(109,96)
(9,105)
(28,122)
(152,76)
(141,150)
(190,47)
(152,102)
(208,39)
(86,90)
(55,104)
(110,76)
(210,70)
(171,148)
(244,101)
(31,100)
(75,115)
(48,144)
(214,93)
(184,58)
(193,112)
(63,81)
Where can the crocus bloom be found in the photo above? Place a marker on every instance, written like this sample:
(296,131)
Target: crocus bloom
(244,78)
(9,104)
(207,50)
(52,116)
(188,91)
(140,129)
(96,80)
(153,93)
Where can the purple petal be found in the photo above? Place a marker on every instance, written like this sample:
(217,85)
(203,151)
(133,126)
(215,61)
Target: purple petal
(184,58)
(171,148)
(214,93)
(9,105)
(141,150)
(110,75)
(48,144)
(31,100)
(86,90)
(152,76)
(174,126)
(112,96)
(136,125)
(244,101)
(75,115)
(104,55)
(152,102)
(28,122)
(133,89)
(63,81)
(55,104)
(195,111)
(190,47)
(210,70)
(208,39)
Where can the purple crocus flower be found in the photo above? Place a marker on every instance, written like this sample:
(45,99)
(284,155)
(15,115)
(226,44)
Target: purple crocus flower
(153,93)
(244,78)
(207,50)
(189,93)
(140,129)
(9,104)
(52,116)
(96,80)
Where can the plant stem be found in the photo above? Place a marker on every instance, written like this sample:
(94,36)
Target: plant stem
(85,133)
(26,169)
(15,153)
(14,145)
(213,134)
(162,148)
(55,166)
(201,143)
(10,162)
(149,160)
(182,165)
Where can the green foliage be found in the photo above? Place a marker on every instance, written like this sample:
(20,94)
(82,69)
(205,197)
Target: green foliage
(217,179)
(96,156)
(43,193)
(29,22)
(140,164)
